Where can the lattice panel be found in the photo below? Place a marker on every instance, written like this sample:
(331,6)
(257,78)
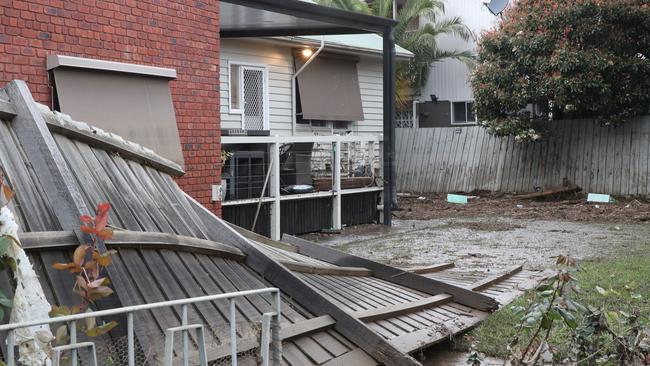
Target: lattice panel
(253,99)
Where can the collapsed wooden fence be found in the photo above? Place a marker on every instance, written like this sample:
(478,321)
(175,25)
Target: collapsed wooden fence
(597,158)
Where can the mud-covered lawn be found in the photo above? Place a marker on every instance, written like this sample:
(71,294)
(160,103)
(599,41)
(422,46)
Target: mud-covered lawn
(492,233)
(489,235)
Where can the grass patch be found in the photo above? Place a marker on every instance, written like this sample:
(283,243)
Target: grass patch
(633,271)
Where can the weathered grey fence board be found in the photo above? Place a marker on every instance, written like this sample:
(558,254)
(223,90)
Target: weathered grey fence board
(598,159)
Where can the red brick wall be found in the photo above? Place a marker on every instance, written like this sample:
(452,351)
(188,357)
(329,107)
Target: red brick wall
(183,35)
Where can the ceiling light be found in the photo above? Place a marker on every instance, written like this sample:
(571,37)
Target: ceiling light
(307,52)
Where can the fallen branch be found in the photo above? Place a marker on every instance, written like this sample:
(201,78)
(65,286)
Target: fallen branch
(550,192)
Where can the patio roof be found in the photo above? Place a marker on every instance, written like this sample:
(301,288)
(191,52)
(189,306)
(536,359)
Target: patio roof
(276,18)
(257,18)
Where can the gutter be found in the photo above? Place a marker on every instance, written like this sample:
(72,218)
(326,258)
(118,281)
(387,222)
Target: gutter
(334,46)
(293,84)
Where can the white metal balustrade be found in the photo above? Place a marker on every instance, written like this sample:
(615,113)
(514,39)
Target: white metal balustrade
(270,343)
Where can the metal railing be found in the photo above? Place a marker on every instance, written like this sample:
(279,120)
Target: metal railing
(270,343)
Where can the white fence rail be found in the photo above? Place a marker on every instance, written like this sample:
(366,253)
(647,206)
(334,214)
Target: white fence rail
(270,345)
(611,160)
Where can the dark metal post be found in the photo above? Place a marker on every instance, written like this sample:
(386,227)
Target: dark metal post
(389,124)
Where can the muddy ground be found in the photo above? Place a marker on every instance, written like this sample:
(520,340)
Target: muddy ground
(493,233)
(573,207)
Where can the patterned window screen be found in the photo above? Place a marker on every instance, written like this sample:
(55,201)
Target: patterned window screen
(254,108)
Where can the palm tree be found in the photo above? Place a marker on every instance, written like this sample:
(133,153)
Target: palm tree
(420,40)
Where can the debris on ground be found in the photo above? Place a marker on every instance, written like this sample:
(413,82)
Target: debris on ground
(553,192)
(573,208)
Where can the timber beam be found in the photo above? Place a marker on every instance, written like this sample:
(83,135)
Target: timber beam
(394,275)
(393,311)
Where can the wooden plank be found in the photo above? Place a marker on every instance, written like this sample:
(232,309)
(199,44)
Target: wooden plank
(394,275)
(49,165)
(176,212)
(434,162)
(330,343)
(20,176)
(151,205)
(133,239)
(588,157)
(161,201)
(480,172)
(423,155)
(306,327)
(205,312)
(244,307)
(431,269)
(148,328)
(643,161)
(369,299)
(549,192)
(414,146)
(355,357)
(491,280)
(126,190)
(116,196)
(246,279)
(326,270)
(294,356)
(173,242)
(635,157)
(180,205)
(275,273)
(401,309)
(427,337)
(470,158)
(85,181)
(262,239)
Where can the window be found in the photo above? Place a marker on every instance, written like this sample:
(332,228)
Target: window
(249,95)
(319,123)
(463,113)
(234,89)
(341,125)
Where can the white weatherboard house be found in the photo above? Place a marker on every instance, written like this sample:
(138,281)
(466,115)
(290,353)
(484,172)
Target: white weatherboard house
(315,105)
(339,91)
(449,79)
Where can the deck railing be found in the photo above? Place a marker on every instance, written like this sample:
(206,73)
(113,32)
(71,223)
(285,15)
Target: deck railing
(334,158)
(270,343)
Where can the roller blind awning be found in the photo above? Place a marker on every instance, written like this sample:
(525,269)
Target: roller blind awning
(136,106)
(329,88)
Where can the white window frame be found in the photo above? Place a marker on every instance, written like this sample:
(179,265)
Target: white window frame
(265,98)
(453,117)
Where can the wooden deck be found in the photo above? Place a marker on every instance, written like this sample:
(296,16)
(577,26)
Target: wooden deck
(409,319)
(337,309)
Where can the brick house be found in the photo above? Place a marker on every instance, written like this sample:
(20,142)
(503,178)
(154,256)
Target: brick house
(179,35)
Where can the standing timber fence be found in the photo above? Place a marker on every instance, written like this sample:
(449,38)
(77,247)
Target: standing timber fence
(611,160)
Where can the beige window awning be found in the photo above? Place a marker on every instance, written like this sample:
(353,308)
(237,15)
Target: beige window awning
(132,101)
(329,88)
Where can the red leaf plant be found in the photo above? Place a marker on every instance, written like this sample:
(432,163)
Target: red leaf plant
(89,268)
